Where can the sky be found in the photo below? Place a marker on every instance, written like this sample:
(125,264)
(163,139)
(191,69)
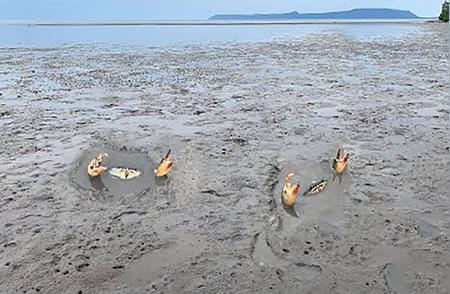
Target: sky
(190,9)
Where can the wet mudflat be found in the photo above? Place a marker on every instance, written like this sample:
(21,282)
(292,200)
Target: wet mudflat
(237,117)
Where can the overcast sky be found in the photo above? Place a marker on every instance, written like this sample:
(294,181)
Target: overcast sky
(191,9)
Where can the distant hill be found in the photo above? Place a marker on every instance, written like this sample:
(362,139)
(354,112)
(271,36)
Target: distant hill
(365,13)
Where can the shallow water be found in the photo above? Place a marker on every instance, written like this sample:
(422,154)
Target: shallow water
(328,112)
(144,35)
(428,112)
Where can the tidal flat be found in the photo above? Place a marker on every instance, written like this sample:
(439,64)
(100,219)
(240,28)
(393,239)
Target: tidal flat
(238,116)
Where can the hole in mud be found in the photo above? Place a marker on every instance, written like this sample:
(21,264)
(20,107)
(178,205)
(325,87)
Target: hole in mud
(110,185)
(323,205)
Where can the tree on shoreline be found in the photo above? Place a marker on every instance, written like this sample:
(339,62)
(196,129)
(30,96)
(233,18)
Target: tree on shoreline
(444,13)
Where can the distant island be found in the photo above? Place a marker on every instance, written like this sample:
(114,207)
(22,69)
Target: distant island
(364,13)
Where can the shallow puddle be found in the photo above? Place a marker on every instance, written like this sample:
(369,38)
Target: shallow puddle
(428,112)
(327,112)
(109,185)
(323,206)
(150,267)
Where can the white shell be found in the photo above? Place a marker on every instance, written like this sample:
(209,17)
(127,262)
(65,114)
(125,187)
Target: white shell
(124,173)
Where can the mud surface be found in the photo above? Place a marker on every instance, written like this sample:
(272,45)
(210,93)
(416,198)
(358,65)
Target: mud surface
(237,117)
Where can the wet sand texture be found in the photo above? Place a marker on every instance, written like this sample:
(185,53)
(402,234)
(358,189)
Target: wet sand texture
(237,117)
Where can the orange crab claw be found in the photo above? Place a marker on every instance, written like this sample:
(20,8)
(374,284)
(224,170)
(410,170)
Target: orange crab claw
(289,194)
(346,158)
(287,180)
(167,157)
(95,168)
(164,166)
(93,171)
(340,163)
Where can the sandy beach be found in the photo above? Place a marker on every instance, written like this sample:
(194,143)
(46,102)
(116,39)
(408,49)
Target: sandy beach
(238,117)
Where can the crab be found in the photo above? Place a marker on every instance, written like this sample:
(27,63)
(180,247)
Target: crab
(124,173)
(289,194)
(316,187)
(340,162)
(95,167)
(164,166)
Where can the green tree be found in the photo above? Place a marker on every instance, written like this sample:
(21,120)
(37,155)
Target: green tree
(444,12)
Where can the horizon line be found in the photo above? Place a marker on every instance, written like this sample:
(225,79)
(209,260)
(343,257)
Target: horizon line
(38,21)
(93,22)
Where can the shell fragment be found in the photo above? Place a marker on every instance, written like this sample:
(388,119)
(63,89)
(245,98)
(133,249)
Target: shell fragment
(124,173)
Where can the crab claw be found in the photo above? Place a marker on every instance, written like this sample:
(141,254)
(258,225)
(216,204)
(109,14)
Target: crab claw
(287,180)
(340,163)
(98,171)
(103,155)
(164,166)
(345,158)
(95,168)
(167,157)
(289,194)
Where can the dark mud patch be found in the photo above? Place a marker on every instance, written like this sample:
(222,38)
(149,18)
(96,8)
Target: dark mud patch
(271,182)
(112,187)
